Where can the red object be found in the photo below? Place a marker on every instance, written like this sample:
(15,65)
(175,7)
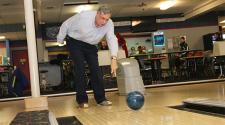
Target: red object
(2,45)
(122,43)
(199,53)
(2,69)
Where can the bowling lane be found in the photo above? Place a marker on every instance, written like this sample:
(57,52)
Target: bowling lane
(154,112)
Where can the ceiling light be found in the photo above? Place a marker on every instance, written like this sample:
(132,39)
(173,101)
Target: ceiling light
(222,21)
(167,4)
(2,37)
(80,8)
(135,22)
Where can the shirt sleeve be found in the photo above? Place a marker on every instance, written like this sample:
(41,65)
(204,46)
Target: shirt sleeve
(63,31)
(112,40)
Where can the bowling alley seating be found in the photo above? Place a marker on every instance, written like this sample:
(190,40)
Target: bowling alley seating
(192,64)
(172,66)
(219,54)
(198,64)
(157,61)
(189,65)
(146,70)
(208,69)
(179,67)
(165,68)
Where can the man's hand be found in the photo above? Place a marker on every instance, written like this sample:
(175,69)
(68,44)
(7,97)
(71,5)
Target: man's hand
(113,67)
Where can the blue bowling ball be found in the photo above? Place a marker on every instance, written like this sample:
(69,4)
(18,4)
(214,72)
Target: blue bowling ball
(135,100)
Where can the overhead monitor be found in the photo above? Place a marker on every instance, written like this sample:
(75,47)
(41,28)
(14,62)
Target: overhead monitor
(159,39)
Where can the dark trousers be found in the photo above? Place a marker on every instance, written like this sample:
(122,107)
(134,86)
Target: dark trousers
(81,52)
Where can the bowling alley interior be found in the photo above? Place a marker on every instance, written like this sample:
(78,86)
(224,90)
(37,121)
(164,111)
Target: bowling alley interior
(170,59)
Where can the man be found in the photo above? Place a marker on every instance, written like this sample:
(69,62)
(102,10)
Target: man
(83,31)
(179,60)
(183,44)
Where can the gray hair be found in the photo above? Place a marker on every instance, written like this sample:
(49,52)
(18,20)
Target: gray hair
(104,9)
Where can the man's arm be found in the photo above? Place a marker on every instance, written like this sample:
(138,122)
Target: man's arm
(65,27)
(112,41)
(113,47)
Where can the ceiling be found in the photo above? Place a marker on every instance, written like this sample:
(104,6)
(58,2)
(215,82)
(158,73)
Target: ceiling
(54,11)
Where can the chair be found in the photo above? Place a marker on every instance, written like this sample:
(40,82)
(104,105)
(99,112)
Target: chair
(181,67)
(219,54)
(199,64)
(208,65)
(146,70)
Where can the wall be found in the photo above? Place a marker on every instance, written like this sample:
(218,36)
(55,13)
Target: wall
(3,53)
(193,28)
(2,49)
(40,49)
(138,41)
(193,35)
